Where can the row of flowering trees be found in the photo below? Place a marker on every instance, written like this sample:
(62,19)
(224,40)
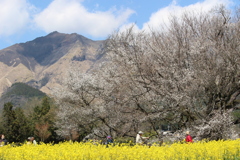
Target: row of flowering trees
(186,73)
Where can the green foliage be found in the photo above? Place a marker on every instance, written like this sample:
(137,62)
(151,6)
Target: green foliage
(8,114)
(22,95)
(151,133)
(43,115)
(28,107)
(236,114)
(22,89)
(15,124)
(45,106)
(23,125)
(41,111)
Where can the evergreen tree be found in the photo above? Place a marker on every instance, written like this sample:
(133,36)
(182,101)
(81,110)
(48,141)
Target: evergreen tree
(41,111)
(45,106)
(42,120)
(23,125)
(17,127)
(15,124)
(9,126)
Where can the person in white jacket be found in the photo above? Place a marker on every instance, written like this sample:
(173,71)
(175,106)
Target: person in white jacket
(140,139)
(31,140)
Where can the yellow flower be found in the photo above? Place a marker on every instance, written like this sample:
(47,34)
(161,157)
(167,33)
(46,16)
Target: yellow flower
(229,149)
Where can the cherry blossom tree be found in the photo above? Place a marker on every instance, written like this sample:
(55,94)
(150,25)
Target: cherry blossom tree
(180,74)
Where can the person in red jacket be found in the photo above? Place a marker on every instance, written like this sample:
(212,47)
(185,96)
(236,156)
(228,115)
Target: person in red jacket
(188,138)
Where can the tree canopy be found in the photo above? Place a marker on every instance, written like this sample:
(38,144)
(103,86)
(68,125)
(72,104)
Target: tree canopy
(186,73)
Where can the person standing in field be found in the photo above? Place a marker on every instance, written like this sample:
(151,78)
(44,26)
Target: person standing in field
(109,140)
(140,139)
(3,141)
(188,138)
(31,140)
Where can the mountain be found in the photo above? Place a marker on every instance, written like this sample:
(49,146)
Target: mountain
(43,61)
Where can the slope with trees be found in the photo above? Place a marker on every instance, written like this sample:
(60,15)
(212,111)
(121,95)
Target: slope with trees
(19,94)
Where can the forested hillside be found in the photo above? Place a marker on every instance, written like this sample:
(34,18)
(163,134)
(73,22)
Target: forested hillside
(21,89)
(19,94)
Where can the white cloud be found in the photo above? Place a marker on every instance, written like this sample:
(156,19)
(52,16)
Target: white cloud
(70,16)
(161,17)
(14,16)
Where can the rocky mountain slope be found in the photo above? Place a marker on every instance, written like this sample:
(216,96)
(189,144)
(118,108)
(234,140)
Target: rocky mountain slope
(43,61)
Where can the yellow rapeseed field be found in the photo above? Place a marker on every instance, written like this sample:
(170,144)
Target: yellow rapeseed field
(216,150)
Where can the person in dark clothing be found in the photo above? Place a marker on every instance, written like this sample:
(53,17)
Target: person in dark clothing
(109,140)
(3,141)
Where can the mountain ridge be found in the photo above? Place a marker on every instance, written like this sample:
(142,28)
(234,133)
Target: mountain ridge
(44,60)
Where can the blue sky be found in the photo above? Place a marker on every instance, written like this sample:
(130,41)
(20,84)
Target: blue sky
(25,20)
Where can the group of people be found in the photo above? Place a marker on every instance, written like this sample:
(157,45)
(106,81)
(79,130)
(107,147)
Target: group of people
(139,139)
(4,141)
(142,140)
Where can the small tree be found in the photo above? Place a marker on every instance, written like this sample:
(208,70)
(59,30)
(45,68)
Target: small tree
(42,131)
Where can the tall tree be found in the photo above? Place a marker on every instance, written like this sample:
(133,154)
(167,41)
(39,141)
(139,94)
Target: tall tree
(23,125)
(41,111)
(15,125)
(9,117)
(78,110)
(179,74)
(42,120)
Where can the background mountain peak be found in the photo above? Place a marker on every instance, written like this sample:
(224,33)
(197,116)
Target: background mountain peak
(42,61)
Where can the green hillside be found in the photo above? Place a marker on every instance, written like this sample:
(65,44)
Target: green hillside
(22,89)
(19,94)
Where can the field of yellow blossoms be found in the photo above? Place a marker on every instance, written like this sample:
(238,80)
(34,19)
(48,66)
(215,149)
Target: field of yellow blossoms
(216,150)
